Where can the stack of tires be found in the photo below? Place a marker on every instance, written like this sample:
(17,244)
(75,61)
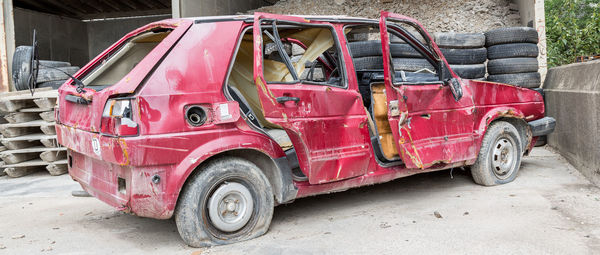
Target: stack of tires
(465,52)
(512,54)
(50,74)
(367,55)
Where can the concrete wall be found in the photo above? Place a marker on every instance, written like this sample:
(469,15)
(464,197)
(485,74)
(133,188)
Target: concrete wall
(72,40)
(103,33)
(59,38)
(573,98)
(195,8)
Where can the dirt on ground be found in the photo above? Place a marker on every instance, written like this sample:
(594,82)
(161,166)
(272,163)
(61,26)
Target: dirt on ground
(435,15)
(549,209)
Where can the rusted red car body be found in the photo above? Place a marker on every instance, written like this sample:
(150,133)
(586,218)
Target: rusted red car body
(189,67)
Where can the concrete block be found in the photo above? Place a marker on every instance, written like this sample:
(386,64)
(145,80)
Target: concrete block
(18,117)
(57,168)
(48,129)
(45,103)
(47,116)
(15,172)
(51,156)
(573,98)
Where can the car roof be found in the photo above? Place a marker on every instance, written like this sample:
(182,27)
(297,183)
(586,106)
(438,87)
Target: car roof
(250,18)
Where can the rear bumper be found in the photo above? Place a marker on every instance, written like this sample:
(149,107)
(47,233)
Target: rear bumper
(542,126)
(125,188)
(120,171)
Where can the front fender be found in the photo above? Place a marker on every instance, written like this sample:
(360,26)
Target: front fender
(497,113)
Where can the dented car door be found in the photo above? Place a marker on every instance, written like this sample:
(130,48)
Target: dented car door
(429,126)
(325,120)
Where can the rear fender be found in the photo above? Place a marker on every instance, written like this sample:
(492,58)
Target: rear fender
(217,147)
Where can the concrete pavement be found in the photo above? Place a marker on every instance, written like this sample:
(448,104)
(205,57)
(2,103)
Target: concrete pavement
(550,208)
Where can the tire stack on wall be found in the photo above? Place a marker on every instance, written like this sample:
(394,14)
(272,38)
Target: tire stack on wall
(50,74)
(465,52)
(512,54)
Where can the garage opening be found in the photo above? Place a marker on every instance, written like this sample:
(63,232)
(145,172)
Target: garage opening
(76,31)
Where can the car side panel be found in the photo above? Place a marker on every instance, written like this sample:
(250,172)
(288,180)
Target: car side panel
(191,74)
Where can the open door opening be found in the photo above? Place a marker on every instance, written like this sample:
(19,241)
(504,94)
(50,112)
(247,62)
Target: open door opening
(299,86)
(430,126)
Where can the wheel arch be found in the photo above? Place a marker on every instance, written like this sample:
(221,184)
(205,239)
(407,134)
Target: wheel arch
(276,169)
(511,115)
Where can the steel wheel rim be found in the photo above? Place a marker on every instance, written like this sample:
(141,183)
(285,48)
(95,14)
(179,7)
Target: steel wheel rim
(504,158)
(230,207)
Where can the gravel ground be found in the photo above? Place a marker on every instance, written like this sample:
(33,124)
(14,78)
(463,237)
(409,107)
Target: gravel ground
(435,15)
(549,209)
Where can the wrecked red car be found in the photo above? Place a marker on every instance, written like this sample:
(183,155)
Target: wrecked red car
(216,120)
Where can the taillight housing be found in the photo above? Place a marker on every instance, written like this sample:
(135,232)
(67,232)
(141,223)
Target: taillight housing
(117,118)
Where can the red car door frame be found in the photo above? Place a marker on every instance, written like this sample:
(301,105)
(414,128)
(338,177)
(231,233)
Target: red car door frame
(431,128)
(327,126)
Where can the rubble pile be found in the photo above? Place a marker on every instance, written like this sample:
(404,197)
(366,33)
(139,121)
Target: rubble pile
(435,15)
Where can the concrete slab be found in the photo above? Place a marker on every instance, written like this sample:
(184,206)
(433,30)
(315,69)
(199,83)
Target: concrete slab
(573,98)
(549,209)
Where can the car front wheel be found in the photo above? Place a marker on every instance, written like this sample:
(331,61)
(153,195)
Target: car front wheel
(227,201)
(500,155)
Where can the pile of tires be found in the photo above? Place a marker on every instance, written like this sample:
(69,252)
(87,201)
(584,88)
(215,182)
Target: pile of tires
(367,55)
(50,73)
(465,52)
(512,54)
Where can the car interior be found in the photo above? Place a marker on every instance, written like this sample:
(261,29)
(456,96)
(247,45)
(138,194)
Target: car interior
(120,62)
(315,60)
(372,88)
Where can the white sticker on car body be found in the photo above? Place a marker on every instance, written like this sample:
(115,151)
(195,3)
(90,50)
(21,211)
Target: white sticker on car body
(224,109)
(96,146)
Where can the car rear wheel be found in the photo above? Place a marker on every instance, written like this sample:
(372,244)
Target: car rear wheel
(500,155)
(228,201)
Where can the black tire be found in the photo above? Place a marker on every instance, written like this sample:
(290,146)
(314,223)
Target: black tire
(512,65)
(192,212)
(404,64)
(50,63)
(373,48)
(469,71)
(526,80)
(21,67)
(511,35)
(411,64)
(51,74)
(484,171)
(541,141)
(368,63)
(459,40)
(465,56)
(513,50)
(51,84)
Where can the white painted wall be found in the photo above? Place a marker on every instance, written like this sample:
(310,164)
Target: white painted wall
(533,14)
